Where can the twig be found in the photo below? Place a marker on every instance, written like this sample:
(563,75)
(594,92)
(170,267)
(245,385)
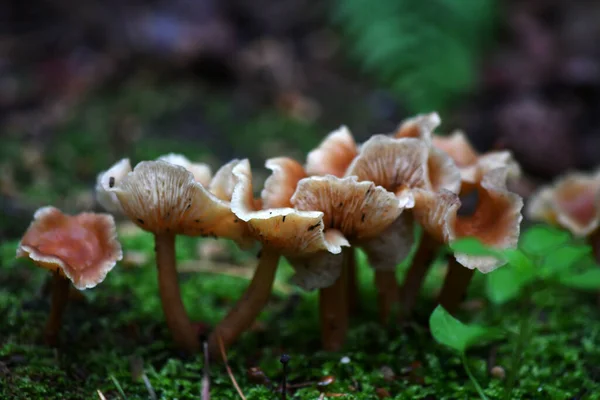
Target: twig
(149,387)
(224,356)
(100,394)
(205,377)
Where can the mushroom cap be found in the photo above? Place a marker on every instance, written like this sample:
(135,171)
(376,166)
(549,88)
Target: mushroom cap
(161,197)
(83,247)
(106,181)
(281,184)
(573,202)
(333,155)
(419,127)
(496,220)
(201,171)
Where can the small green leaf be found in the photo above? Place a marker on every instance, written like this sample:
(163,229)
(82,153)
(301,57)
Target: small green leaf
(449,331)
(587,280)
(562,259)
(539,239)
(506,283)
(473,247)
(520,260)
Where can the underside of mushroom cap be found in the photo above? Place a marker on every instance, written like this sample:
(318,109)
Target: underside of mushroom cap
(164,198)
(573,202)
(397,165)
(495,222)
(281,184)
(333,155)
(83,248)
(106,181)
(360,210)
(202,173)
(419,127)
(392,246)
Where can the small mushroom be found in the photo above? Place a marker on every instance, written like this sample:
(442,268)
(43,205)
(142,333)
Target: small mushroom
(81,249)
(495,221)
(573,203)
(167,200)
(400,165)
(328,214)
(333,155)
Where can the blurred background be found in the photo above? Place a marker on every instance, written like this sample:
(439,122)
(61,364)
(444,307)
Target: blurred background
(84,83)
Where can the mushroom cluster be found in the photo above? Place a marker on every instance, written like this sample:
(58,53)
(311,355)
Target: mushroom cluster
(573,203)
(345,196)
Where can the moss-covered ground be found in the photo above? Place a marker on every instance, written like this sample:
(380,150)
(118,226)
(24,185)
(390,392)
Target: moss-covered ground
(119,327)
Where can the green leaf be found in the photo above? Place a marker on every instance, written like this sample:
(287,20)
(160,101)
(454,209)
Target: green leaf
(539,239)
(587,280)
(473,247)
(520,260)
(507,283)
(449,331)
(562,259)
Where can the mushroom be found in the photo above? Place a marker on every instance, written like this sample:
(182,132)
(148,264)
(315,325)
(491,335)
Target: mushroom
(495,221)
(573,203)
(311,228)
(400,165)
(446,152)
(81,249)
(167,200)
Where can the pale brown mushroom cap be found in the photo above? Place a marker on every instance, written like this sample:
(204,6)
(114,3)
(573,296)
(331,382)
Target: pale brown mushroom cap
(495,222)
(281,184)
(333,155)
(573,202)
(419,127)
(83,247)
(106,181)
(201,171)
(457,146)
(164,198)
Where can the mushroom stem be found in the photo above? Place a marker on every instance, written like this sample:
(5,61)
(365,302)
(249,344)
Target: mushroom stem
(455,285)
(594,241)
(387,293)
(168,283)
(60,298)
(416,273)
(353,292)
(247,308)
(333,309)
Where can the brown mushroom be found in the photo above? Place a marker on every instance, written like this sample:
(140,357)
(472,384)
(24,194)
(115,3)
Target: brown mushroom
(573,203)
(328,214)
(495,221)
(333,155)
(167,200)
(400,165)
(80,249)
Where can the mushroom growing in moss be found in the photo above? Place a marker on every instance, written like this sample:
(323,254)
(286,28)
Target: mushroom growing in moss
(310,225)
(167,200)
(495,222)
(573,203)
(80,249)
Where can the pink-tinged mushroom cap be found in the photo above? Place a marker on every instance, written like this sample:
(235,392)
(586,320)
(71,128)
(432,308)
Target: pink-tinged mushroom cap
(161,197)
(281,184)
(495,222)
(202,173)
(106,181)
(419,127)
(333,155)
(573,202)
(83,247)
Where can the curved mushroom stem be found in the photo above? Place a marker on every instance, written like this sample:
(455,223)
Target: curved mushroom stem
(416,273)
(333,309)
(455,285)
(353,292)
(247,308)
(387,293)
(168,283)
(594,241)
(60,298)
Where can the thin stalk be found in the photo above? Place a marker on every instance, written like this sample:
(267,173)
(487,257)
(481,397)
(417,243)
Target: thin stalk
(594,241)
(60,298)
(388,293)
(353,292)
(333,311)
(463,357)
(247,308)
(413,281)
(168,284)
(518,348)
(455,285)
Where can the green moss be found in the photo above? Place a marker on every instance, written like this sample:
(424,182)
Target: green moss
(122,318)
